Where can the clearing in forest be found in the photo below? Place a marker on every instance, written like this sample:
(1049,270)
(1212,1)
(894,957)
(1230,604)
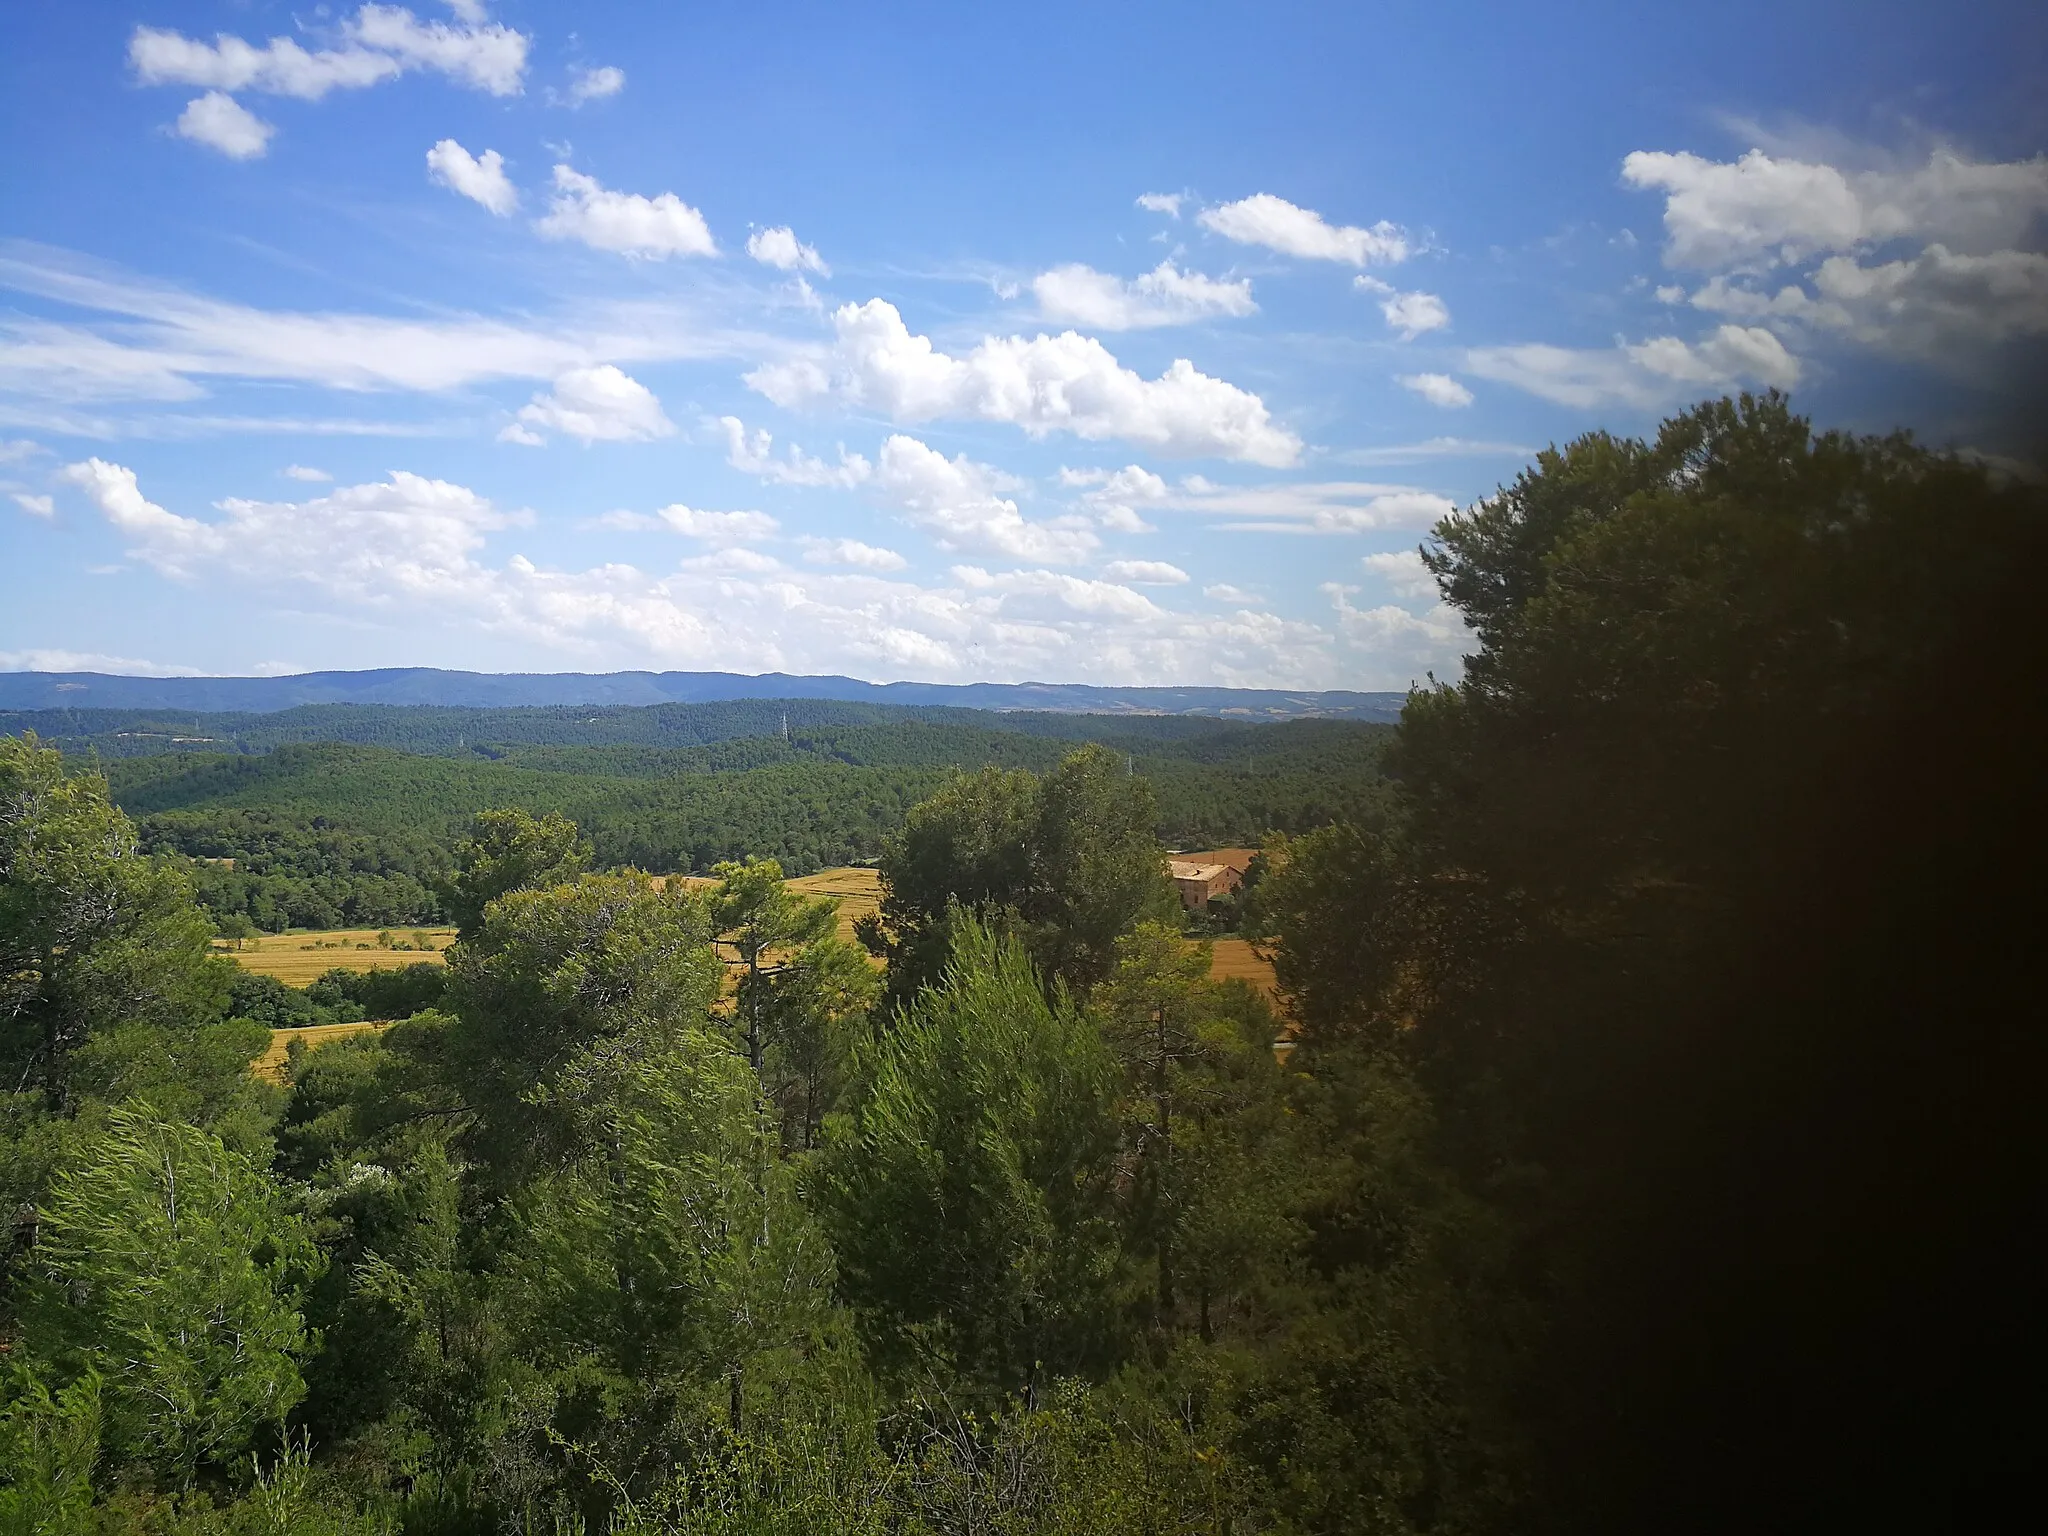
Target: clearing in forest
(297,959)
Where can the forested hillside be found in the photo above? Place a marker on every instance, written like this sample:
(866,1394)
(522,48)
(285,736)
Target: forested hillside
(1655,1148)
(320,835)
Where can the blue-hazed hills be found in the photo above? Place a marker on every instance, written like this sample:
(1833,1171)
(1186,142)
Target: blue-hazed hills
(433,686)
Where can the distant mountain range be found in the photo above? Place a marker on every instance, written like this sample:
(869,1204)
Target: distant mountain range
(431,685)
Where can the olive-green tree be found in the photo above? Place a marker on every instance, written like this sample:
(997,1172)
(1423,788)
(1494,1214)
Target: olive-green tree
(969,1187)
(171,1268)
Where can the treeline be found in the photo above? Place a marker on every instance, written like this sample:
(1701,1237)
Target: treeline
(1655,1146)
(333,835)
(439,731)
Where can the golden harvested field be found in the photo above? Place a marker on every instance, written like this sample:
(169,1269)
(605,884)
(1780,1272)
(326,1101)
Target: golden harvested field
(299,958)
(272,1062)
(859,890)
(1236,957)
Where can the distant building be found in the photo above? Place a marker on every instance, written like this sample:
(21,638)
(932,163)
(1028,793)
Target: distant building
(1201,882)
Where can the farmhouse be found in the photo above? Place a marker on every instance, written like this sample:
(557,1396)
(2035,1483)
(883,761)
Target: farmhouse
(1200,881)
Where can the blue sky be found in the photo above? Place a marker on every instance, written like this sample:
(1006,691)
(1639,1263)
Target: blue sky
(1135,344)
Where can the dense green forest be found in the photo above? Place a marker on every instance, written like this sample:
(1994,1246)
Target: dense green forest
(330,834)
(1657,1148)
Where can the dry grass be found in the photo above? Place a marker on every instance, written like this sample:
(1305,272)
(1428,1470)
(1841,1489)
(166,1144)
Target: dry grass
(859,891)
(1236,957)
(299,958)
(272,1062)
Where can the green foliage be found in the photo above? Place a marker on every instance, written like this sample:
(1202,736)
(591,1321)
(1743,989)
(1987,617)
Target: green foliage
(91,935)
(609,965)
(169,1266)
(968,1189)
(511,851)
(1071,861)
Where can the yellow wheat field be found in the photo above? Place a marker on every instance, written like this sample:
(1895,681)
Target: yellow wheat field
(272,1062)
(299,958)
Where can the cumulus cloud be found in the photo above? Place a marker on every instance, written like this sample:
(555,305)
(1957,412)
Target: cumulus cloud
(1043,384)
(1146,573)
(35,506)
(1931,261)
(480,179)
(1164,296)
(1224,592)
(655,228)
(379,43)
(1780,211)
(1112,497)
(754,454)
(852,552)
(405,536)
(959,502)
(595,84)
(1646,374)
(220,122)
(1437,388)
(1403,570)
(1279,225)
(409,553)
(780,248)
(719,527)
(1167,203)
(595,405)
(306,472)
(1431,641)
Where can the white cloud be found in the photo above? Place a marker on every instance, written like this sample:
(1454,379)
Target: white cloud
(306,472)
(1279,225)
(1935,304)
(595,84)
(166,339)
(958,502)
(719,527)
(35,506)
(220,122)
(781,249)
(408,536)
(754,454)
(1782,211)
(89,661)
(1064,383)
(18,449)
(1437,388)
(490,58)
(1413,313)
(1224,592)
(1645,375)
(1164,296)
(408,555)
(1167,203)
(480,179)
(1327,507)
(1146,573)
(1109,494)
(599,404)
(1403,570)
(1432,641)
(1959,278)
(652,227)
(1433,448)
(379,43)
(852,552)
